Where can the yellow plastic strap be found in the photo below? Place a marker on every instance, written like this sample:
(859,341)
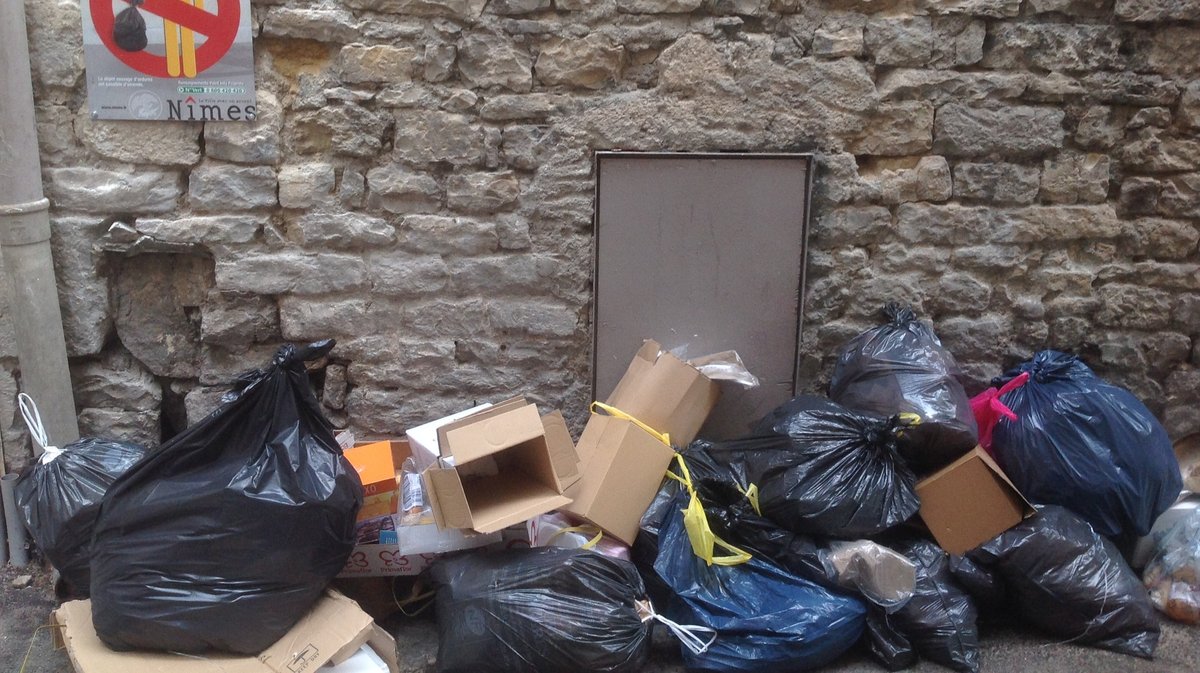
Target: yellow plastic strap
(751,494)
(617,413)
(586,530)
(910,419)
(700,534)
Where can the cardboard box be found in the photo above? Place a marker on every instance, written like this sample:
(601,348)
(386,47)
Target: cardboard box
(535,463)
(969,502)
(624,465)
(377,471)
(331,633)
(423,439)
(665,393)
(625,468)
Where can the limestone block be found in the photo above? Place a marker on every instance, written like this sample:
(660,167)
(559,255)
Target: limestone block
(83,294)
(203,229)
(482,192)
(1057,47)
(588,63)
(55,42)
(1075,178)
(342,230)
(109,191)
(399,190)
(903,41)
(897,129)
(962,130)
(957,40)
(465,9)
(658,6)
(290,271)
(437,235)
(403,275)
(360,63)
(1157,10)
(306,185)
(424,137)
(999,183)
(136,142)
(995,9)
(494,61)
(511,7)
(320,24)
(216,187)
(439,62)
(346,129)
(237,320)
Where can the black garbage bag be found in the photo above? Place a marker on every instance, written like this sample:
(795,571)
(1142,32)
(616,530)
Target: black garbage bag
(982,584)
(59,498)
(129,28)
(1086,445)
(822,469)
(887,645)
(766,619)
(902,367)
(226,536)
(1065,579)
(938,622)
(543,610)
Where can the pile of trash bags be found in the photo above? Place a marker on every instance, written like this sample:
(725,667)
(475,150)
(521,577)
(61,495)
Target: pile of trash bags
(777,551)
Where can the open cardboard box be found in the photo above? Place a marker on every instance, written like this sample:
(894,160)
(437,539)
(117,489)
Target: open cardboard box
(623,465)
(330,633)
(535,462)
(414,547)
(969,502)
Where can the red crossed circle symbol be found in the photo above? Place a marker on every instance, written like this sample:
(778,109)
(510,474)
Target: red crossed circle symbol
(219,28)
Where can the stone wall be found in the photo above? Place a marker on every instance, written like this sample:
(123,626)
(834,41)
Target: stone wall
(419,184)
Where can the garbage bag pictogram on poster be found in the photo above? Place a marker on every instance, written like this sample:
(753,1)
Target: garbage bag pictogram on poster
(185,60)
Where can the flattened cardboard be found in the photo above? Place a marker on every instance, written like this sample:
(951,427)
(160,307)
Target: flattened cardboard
(625,471)
(535,463)
(330,633)
(665,393)
(969,502)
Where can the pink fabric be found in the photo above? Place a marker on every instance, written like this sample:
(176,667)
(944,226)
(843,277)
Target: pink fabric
(988,410)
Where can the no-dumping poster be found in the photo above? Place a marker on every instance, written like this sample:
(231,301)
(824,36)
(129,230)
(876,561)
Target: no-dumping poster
(190,60)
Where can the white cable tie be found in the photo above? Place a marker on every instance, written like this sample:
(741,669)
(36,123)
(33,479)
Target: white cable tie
(33,420)
(688,635)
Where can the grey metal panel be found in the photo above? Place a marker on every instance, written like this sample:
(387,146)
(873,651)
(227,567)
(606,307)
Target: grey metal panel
(703,252)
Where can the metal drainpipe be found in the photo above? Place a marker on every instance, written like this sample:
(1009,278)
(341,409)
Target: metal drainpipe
(25,238)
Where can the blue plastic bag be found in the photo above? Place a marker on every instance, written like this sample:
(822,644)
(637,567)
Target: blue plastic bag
(1086,445)
(766,619)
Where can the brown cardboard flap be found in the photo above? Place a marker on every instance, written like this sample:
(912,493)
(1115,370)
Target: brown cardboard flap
(497,504)
(665,393)
(626,470)
(385,646)
(492,433)
(562,448)
(446,497)
(487,412)
(335,625)
(969,502)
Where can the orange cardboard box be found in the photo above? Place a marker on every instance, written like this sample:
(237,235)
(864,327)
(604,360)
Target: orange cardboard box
(377,471)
